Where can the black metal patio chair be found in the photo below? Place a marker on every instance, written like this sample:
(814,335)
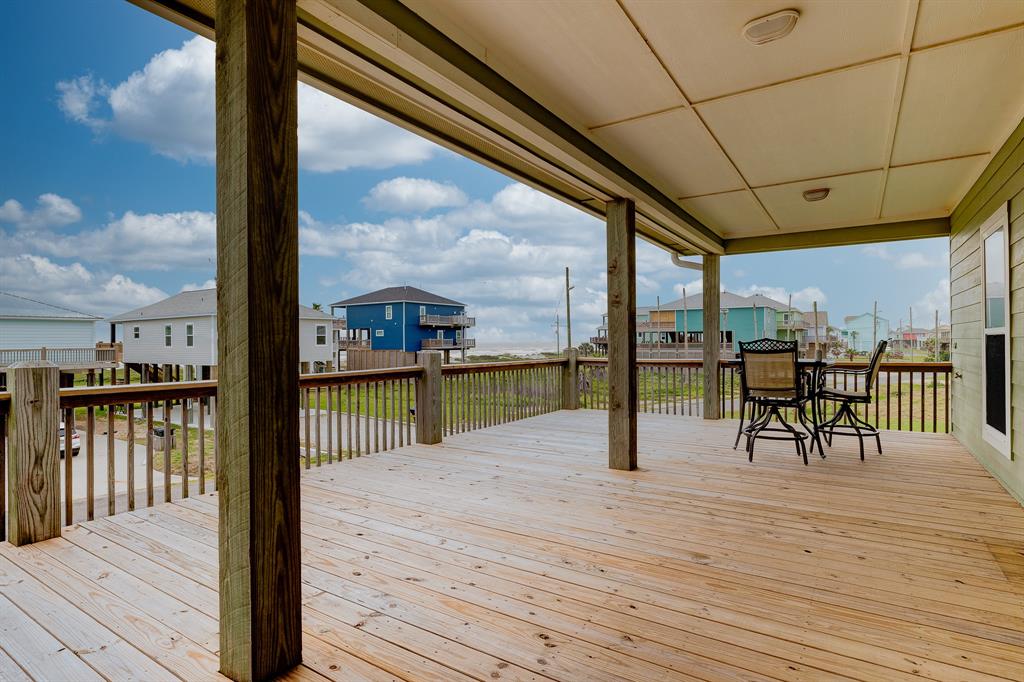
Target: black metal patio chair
(846,421)
(770,382)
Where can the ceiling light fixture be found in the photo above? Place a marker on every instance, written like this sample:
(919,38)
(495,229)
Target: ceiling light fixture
(816,194)
(771,27)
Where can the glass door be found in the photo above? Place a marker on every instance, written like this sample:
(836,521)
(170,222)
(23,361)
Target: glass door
(996,347)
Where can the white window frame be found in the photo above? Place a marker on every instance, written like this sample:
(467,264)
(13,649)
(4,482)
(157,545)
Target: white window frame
(458,336)
(136,333)
(423,311)
(440,334)
(379,332)
(321,331)
(999,221)
(190,335)
(389,313)
(168,336)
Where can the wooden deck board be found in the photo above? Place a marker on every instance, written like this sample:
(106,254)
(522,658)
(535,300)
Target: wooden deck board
(514,553)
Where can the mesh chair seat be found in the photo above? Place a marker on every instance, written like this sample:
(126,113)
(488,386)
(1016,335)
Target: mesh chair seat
(778,394)
(845,394)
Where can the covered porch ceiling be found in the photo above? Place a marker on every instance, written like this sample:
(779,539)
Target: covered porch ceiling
(896,106)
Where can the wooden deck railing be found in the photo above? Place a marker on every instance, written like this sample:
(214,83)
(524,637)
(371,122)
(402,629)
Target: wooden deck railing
(475,396)
(908,397)
(350,414)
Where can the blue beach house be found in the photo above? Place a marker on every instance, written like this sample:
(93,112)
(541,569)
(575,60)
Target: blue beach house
(405,319)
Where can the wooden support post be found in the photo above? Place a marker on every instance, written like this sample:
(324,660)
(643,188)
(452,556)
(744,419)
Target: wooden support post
(257,442)
(622,386)
(428,398)
(570,382)
(712,340)
(33,458)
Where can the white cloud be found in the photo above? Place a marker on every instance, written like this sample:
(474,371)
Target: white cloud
(689,288)
(505,257)
(74,285)
(192,286)
(409,195)
(52,210)
(910,260)
(151,241)
(936,299)
(803,299)
(169,105)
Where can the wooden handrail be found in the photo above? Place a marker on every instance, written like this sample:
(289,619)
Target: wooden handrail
(885,366)
(486,367)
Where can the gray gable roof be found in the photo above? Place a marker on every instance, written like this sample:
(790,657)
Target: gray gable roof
(727,299)
(199,303)
(397,295)
(14,306)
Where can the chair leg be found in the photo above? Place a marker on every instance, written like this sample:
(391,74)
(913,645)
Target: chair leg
(739,431)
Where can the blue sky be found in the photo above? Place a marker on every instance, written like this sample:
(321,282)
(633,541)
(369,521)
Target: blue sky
(107,199)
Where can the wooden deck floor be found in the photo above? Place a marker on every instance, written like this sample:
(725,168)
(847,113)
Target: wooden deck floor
(513,553)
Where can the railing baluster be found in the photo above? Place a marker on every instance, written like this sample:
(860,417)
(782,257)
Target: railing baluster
(69,431)
(330,425)
(150,453)
(110,460)
(131,455)
(923,411)
(184,448)
(168,437)
(202,445)
(90,461)
(317,440)
(366,420)
(305,422)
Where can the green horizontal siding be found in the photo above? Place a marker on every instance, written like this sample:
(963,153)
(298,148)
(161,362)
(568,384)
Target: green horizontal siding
(1002,181)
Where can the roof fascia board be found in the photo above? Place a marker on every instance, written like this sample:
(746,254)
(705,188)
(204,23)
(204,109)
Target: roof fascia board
(843,236)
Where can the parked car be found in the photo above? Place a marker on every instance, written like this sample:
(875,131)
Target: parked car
(76,441)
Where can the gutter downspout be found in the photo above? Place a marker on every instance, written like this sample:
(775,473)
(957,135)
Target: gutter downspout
(677,260)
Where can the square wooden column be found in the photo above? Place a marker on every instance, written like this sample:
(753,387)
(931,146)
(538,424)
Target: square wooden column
(712,342)
(258,338)
(622,388)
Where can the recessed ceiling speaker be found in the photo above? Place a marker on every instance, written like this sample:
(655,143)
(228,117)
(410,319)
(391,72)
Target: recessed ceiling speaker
(772,27)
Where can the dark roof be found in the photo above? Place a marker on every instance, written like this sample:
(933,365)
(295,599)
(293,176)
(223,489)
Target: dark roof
(396,295)
(198,303)
(14,306)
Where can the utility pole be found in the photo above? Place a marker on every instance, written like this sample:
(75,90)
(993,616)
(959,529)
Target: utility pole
(817,341)
(568,310)
(558,336)
(874,327)
(935,353)
(657,328)
(913,337)
(686,327)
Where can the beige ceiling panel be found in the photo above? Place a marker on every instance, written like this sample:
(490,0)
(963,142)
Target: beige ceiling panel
(961,99)
(732,214)
(701,41)
(674,150)
(853,199)
(583,60)
(930,189)
(939,21)
(816,127)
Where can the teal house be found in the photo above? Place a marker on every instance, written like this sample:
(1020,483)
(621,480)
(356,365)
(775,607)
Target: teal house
(681,322)
(859,335)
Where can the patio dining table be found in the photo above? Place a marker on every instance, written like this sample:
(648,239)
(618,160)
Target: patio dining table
(814,368)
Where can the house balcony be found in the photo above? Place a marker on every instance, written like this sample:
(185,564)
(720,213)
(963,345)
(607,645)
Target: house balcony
(447,321)
(353,344)
(647,326)
(89,357)
(448,344)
